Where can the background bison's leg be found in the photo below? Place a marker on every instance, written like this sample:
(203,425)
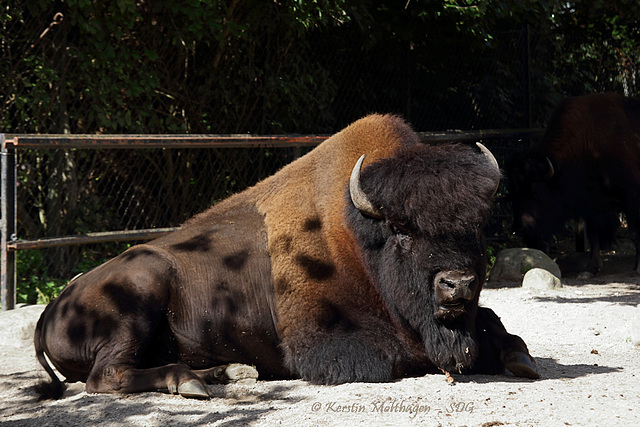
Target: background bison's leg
(602,227)
(595,261)
(636,241)
(500,349)
(633,213)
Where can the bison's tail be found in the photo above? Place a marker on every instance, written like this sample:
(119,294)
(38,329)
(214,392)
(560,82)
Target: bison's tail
(54,388)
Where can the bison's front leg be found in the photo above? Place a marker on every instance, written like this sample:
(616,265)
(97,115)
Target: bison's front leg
(339,359)
(344,350)
(500,349)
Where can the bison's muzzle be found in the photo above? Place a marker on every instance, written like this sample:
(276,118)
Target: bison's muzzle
(454,289)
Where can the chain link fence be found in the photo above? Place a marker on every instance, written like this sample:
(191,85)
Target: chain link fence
(152,68)
(95,190)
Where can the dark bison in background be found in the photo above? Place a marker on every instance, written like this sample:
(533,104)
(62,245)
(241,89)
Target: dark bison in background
(588,167)
(307,274)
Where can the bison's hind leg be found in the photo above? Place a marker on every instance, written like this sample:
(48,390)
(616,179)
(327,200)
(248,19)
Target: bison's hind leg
(227,374)
(176,378)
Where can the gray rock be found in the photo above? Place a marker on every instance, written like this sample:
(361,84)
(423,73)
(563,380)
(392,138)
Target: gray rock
(18,325)
(538,279)
(635,327)
(512,264)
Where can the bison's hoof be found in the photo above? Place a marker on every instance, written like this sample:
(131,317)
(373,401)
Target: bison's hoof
(585,275)
(240,374)
(193,389)
(521,365)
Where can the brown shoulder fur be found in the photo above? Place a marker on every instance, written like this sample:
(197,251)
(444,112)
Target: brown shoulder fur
(305,203)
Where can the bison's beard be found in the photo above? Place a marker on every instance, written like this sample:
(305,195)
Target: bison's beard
(451,348)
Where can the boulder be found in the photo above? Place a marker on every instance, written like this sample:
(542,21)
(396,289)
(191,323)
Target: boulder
(538,279)
(512,264)
(635,327)
(18,325)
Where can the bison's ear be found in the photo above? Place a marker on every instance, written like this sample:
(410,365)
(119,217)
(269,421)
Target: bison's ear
(358,197)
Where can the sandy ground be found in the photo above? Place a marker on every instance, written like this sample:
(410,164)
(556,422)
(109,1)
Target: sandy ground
(580,335)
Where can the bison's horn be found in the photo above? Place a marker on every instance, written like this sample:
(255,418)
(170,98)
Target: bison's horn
(358,197)
(492,160)
(551,170)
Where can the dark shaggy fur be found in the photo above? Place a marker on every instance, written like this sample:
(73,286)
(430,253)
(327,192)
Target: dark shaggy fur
(435,201)
(593,145)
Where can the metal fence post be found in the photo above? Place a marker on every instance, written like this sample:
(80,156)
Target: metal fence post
(8,225)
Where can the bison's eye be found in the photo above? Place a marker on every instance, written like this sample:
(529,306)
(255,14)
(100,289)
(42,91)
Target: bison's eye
(405,241)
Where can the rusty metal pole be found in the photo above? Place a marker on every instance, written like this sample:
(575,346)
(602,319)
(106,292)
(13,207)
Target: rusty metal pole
(8,225)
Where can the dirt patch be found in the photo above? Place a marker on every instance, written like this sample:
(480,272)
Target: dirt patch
(580,336)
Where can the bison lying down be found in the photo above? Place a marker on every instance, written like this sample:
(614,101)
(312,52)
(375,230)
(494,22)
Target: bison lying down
(588,167)
(307,274)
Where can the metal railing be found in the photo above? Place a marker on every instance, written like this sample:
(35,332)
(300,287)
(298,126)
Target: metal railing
(11,243)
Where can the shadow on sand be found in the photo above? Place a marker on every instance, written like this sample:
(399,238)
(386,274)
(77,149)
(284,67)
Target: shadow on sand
(548,368)
(80,408)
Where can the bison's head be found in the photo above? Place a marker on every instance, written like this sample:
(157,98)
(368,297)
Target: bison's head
(534,191)
(418,218)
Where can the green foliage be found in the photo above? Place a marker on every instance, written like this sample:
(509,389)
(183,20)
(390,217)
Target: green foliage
(165,66)
(268,67)
(37,286)
(34,287)
(208,66)
(493,249)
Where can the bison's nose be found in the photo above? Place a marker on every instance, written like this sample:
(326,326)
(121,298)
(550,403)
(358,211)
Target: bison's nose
(527,220)
(455,287)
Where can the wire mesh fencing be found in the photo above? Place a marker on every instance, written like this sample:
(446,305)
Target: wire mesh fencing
(67,197)
(77,208)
